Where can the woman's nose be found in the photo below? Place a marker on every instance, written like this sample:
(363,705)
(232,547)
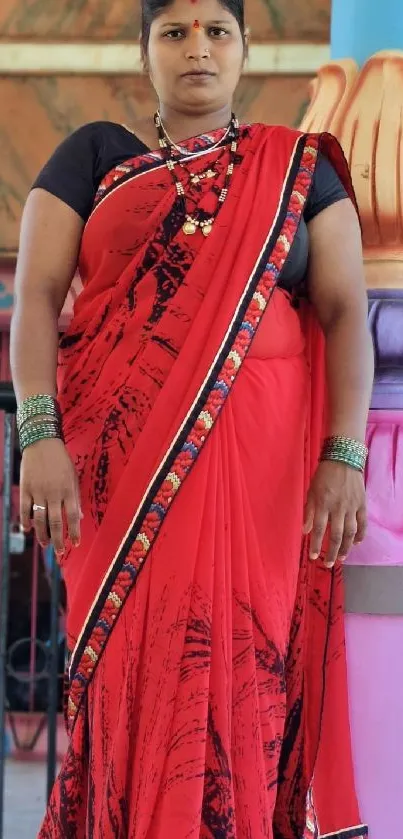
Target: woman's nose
(197,47)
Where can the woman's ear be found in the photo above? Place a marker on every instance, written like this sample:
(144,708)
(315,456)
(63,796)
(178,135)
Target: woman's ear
(246,43)
(143,55)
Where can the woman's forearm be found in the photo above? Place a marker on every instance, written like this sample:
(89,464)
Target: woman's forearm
(350,370)
(34,342)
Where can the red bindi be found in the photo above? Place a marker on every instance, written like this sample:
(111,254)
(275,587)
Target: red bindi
(196,25)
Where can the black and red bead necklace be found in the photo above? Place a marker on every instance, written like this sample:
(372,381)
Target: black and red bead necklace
(198,220)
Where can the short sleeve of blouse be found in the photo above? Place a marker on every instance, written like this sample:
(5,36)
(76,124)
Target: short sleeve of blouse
(71,173)
(327,189)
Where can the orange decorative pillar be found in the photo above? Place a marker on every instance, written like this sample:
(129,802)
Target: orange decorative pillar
(364,109)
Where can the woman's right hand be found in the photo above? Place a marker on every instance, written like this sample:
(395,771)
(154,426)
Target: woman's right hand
(48,479)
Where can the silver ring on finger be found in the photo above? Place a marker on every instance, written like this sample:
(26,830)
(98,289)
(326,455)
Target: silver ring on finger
(38,507)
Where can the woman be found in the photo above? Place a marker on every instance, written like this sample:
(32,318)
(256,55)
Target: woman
(191,391)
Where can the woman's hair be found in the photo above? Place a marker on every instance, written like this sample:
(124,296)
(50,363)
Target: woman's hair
(150,9)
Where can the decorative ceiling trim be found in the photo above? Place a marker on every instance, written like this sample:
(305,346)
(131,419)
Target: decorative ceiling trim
(21,58)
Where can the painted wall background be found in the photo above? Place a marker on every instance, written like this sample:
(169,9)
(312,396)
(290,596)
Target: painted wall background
(270,20)
(38,111)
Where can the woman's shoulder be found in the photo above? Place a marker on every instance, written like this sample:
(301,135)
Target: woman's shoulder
(327,188)
(282,136)
(93,135)
(279,130)
(76,167)
(287,134)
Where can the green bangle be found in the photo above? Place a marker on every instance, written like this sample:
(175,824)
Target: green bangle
(24,444)
(45,419)
(36,406)
(37,427)
(345,450)
(39,431)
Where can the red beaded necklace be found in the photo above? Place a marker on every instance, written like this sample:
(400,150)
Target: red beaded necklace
(198,220)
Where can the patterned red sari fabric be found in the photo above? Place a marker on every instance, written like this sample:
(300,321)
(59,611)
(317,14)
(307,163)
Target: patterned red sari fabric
(192,394)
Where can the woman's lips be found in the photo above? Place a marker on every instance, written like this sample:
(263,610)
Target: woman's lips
(198,75)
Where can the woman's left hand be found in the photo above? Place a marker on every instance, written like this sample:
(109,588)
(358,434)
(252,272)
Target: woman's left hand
(336,499)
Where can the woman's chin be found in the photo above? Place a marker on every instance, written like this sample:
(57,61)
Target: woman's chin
(199,100)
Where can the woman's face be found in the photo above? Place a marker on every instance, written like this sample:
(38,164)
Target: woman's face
(195,56)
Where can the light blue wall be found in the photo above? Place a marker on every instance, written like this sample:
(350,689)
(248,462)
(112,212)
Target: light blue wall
(362,27)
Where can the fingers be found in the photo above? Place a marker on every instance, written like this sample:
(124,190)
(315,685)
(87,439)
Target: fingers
(50,497)
(78,497)
(73,516)
(320,522)
(349,534)
(56,528)
(40,520)
(336,509)
(309,515)
(361,526)
(49,522)
(25,511)
(336,531)
(344,532)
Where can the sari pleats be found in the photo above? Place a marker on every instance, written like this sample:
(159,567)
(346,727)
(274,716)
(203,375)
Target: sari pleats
(199,653)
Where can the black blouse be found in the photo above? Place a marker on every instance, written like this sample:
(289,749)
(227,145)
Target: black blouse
(82,160)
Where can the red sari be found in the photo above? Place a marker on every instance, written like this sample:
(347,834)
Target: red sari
(200,635)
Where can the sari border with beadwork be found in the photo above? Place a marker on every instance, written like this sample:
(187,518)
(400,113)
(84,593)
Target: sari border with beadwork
(358,832)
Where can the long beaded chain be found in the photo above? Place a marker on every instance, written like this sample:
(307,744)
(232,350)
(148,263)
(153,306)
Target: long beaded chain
(193,223)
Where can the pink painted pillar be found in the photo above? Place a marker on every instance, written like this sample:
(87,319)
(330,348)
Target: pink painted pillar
(375,641)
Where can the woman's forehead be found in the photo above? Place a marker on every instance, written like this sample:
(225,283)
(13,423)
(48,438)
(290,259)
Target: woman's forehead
(183,10)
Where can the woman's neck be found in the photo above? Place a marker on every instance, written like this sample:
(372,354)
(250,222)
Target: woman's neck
(182,126)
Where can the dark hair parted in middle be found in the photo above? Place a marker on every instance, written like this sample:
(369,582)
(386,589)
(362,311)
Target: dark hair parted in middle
(150,9)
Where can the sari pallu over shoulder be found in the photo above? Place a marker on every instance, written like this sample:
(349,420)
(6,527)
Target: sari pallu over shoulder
(174,380)
(179,365)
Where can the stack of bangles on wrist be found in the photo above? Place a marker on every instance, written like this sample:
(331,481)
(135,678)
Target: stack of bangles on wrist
(38,418)
(345,450)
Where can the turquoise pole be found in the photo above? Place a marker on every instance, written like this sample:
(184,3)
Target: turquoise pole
(359,28)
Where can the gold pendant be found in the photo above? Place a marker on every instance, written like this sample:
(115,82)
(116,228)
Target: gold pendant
(189,228)
(207,229)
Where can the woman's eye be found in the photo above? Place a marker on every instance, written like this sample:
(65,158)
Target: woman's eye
(217,32)
(174,34)
(179,34)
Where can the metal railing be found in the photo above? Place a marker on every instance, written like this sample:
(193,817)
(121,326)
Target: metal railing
(50,650)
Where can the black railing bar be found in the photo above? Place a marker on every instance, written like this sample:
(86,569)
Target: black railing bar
(53,676)
(8,452)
